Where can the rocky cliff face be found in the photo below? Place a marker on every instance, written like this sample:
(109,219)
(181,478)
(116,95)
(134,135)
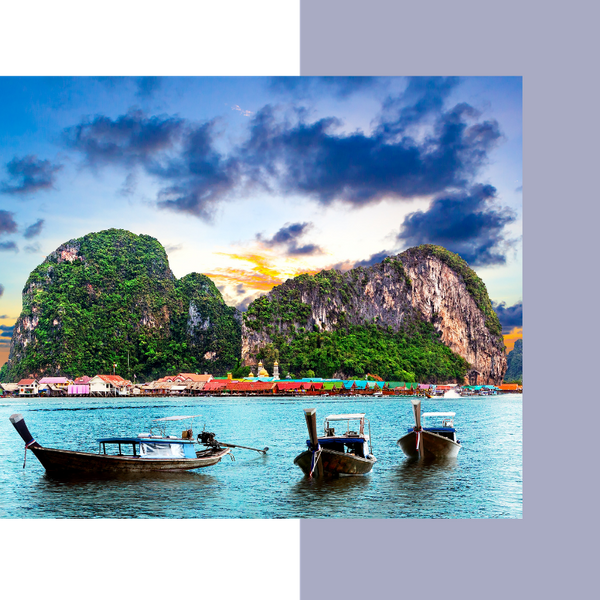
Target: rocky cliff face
(110,297)
(424,284)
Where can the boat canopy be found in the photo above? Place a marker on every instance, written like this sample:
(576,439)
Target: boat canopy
(439,414)
(345,417)
(177,418)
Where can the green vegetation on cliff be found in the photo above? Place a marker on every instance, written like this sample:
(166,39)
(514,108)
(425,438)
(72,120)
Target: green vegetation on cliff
(412,354)
(110,297)
(514,373)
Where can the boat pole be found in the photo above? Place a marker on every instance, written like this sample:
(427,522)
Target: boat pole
(310,414)
(418,429)
(263,451)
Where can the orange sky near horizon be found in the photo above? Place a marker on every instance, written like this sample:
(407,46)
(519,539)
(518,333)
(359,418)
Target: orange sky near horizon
(512,337)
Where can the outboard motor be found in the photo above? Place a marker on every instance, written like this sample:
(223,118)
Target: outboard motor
(207,438)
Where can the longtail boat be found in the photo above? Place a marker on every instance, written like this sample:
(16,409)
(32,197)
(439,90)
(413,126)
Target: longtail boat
(149,453)
(435,441)
(346,452)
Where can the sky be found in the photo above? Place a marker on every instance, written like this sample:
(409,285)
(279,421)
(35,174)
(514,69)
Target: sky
(252,180)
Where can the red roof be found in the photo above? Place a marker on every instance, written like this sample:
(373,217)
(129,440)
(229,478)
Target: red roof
(195,377)
(114,379)
(214,385)
(288,385)
(26,381)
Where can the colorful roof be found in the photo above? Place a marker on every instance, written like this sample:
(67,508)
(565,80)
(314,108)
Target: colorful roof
(195,377)
(54,380)
(26,381)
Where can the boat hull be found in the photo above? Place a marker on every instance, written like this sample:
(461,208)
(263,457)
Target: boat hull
(71,462)
(433,445)
(336,463)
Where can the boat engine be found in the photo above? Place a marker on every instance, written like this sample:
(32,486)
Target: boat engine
(207,438)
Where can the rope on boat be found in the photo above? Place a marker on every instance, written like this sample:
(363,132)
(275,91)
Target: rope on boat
(26,448)
(231,456)
(316,455)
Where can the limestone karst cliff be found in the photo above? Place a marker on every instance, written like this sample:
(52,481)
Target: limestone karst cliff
(110,297)
(423,312)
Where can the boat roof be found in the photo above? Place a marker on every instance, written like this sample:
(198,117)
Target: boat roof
(439,414)
(345,417)
(137,440)
(177,418)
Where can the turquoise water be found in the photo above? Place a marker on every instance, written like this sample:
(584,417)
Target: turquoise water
(485,481)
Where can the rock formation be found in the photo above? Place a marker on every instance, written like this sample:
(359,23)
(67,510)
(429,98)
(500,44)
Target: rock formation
(426,284)
(110,297)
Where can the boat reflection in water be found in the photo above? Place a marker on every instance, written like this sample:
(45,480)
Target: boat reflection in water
(432,442)
(346,452)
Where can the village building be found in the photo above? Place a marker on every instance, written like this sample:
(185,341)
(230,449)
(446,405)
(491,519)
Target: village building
(28,387)
(108,385)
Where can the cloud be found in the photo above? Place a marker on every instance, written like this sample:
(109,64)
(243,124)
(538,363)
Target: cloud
(6,330)
(131,139)
(510,316)
(318,160)
(468,223)
(29,174)
(287,238)
(32,248)
(1,293)
(417,147)
(8,247)
(199,177)
(245,113)
(170,248)
(373,259)
(34,230)
(147,86)
(7,222)
(129,185)
(341,87)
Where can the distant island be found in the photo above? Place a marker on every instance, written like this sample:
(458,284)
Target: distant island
(111,298)
(514,372)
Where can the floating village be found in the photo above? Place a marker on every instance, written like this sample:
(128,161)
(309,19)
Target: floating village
(194,384)
(344,447)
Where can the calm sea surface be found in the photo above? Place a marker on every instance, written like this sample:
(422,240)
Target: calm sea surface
(485,481)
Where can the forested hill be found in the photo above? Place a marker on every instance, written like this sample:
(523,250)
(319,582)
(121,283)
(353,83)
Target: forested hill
(422,315)
(514,372)
(110,297)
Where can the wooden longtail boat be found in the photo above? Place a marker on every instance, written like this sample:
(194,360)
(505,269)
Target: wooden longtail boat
(150,454)
(438,441)
(345,453)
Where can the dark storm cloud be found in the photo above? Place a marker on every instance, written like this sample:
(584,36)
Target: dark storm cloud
(29,174)
(287,237)
(317,160)
(510,316)
(193,175)
(293,155)
(468,223)
(423,97)
(7,222)
(130,139)
(199,177)
(34,229)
